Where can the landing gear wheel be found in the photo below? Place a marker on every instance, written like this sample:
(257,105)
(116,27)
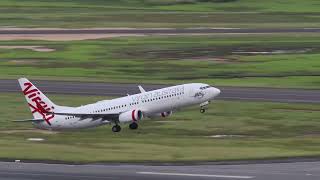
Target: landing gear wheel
(202,110)
(116,128)
(133,125)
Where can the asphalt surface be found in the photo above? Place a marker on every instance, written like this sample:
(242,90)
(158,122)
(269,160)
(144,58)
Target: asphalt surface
(275,171)
(158,31)
(112,89)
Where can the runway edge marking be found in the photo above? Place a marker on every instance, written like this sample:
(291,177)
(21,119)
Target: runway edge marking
(196,175)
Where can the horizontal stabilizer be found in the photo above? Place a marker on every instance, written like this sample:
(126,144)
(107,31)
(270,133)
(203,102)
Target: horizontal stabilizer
(29,120)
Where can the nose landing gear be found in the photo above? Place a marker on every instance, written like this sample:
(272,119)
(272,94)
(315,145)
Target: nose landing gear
(204,106)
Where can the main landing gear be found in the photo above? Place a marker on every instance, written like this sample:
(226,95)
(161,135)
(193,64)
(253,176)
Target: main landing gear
(133,125)
(202,110)
(116,128)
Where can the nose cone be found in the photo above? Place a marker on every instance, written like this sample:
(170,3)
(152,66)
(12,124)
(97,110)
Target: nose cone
(215,91)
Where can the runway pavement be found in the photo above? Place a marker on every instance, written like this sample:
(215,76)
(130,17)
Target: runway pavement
(30,31)
(274,171)
(113,89)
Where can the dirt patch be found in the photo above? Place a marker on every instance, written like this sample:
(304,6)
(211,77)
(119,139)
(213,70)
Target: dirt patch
(166,121)
(297,109)
(226,136)
(33,48)
(23,61)
(219,54)
(216,54)
(312,135)
(62,37)
(220,60)
(276,51)
(28,131)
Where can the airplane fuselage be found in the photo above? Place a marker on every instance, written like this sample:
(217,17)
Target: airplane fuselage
(151,104)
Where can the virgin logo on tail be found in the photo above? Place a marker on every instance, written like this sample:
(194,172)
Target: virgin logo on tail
(39,106)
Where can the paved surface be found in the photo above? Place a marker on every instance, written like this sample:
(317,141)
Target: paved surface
(111,89)
(280,171)
(158,31)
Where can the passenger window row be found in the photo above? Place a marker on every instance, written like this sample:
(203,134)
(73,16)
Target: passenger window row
(135,103)
(162,97)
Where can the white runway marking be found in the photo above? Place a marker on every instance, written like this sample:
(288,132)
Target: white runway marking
(197,175)
(35,139)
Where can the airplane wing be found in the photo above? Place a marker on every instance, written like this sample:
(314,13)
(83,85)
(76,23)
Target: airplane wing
(127,116)
(29,120)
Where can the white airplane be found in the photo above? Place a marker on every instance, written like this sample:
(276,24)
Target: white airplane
(128,109)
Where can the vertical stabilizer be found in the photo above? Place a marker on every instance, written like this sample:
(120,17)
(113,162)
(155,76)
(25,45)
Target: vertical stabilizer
(38,103)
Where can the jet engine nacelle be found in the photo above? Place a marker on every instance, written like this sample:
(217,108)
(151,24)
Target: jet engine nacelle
(163,114)
(129,116)
(166,114)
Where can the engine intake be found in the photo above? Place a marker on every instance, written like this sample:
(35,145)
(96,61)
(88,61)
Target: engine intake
(134,115)
(166,114)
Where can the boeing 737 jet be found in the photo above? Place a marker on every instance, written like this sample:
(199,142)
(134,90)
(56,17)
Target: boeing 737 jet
(129,109)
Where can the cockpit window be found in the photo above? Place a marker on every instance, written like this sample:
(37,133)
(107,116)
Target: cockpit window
(204,87)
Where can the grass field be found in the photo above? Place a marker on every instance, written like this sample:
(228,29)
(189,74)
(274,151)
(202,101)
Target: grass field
(264,130)
(159,13)
(238,60)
